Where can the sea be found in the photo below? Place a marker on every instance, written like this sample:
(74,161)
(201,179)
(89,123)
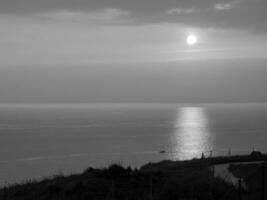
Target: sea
(42,140)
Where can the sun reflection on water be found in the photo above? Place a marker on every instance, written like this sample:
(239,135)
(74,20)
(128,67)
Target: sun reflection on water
(191,136)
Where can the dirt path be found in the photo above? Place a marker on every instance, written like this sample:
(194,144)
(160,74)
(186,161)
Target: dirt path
(222,171)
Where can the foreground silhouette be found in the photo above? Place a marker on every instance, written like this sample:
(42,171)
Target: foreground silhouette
(166,180)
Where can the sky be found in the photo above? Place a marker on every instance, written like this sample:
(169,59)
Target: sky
(100,51)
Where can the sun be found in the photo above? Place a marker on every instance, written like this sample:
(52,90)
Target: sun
(191,39)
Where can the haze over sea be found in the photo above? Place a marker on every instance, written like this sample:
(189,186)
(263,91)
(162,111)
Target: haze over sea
(38,140)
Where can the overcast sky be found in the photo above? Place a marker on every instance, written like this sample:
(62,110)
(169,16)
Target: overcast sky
(132,51)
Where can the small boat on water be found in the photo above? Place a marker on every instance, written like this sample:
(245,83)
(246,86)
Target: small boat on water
(162,151)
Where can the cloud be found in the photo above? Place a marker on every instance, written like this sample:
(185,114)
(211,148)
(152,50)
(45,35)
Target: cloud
(108,15)
(227,6)
(223,6)
(144,7)
(239,14)
(175,11)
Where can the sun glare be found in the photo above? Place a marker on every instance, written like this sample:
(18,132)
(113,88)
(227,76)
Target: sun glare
(191,39)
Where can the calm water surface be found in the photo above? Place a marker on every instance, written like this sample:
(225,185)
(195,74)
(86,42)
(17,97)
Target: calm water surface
(41,140)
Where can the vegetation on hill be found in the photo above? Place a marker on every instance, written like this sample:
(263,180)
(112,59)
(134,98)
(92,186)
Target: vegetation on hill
(190,180)
(166,180)
(253,176)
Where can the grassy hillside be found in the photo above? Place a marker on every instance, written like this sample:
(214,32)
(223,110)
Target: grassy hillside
(252,174)
(165,180)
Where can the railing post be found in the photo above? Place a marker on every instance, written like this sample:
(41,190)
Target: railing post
(239,189)
(263,181)
(151,187)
